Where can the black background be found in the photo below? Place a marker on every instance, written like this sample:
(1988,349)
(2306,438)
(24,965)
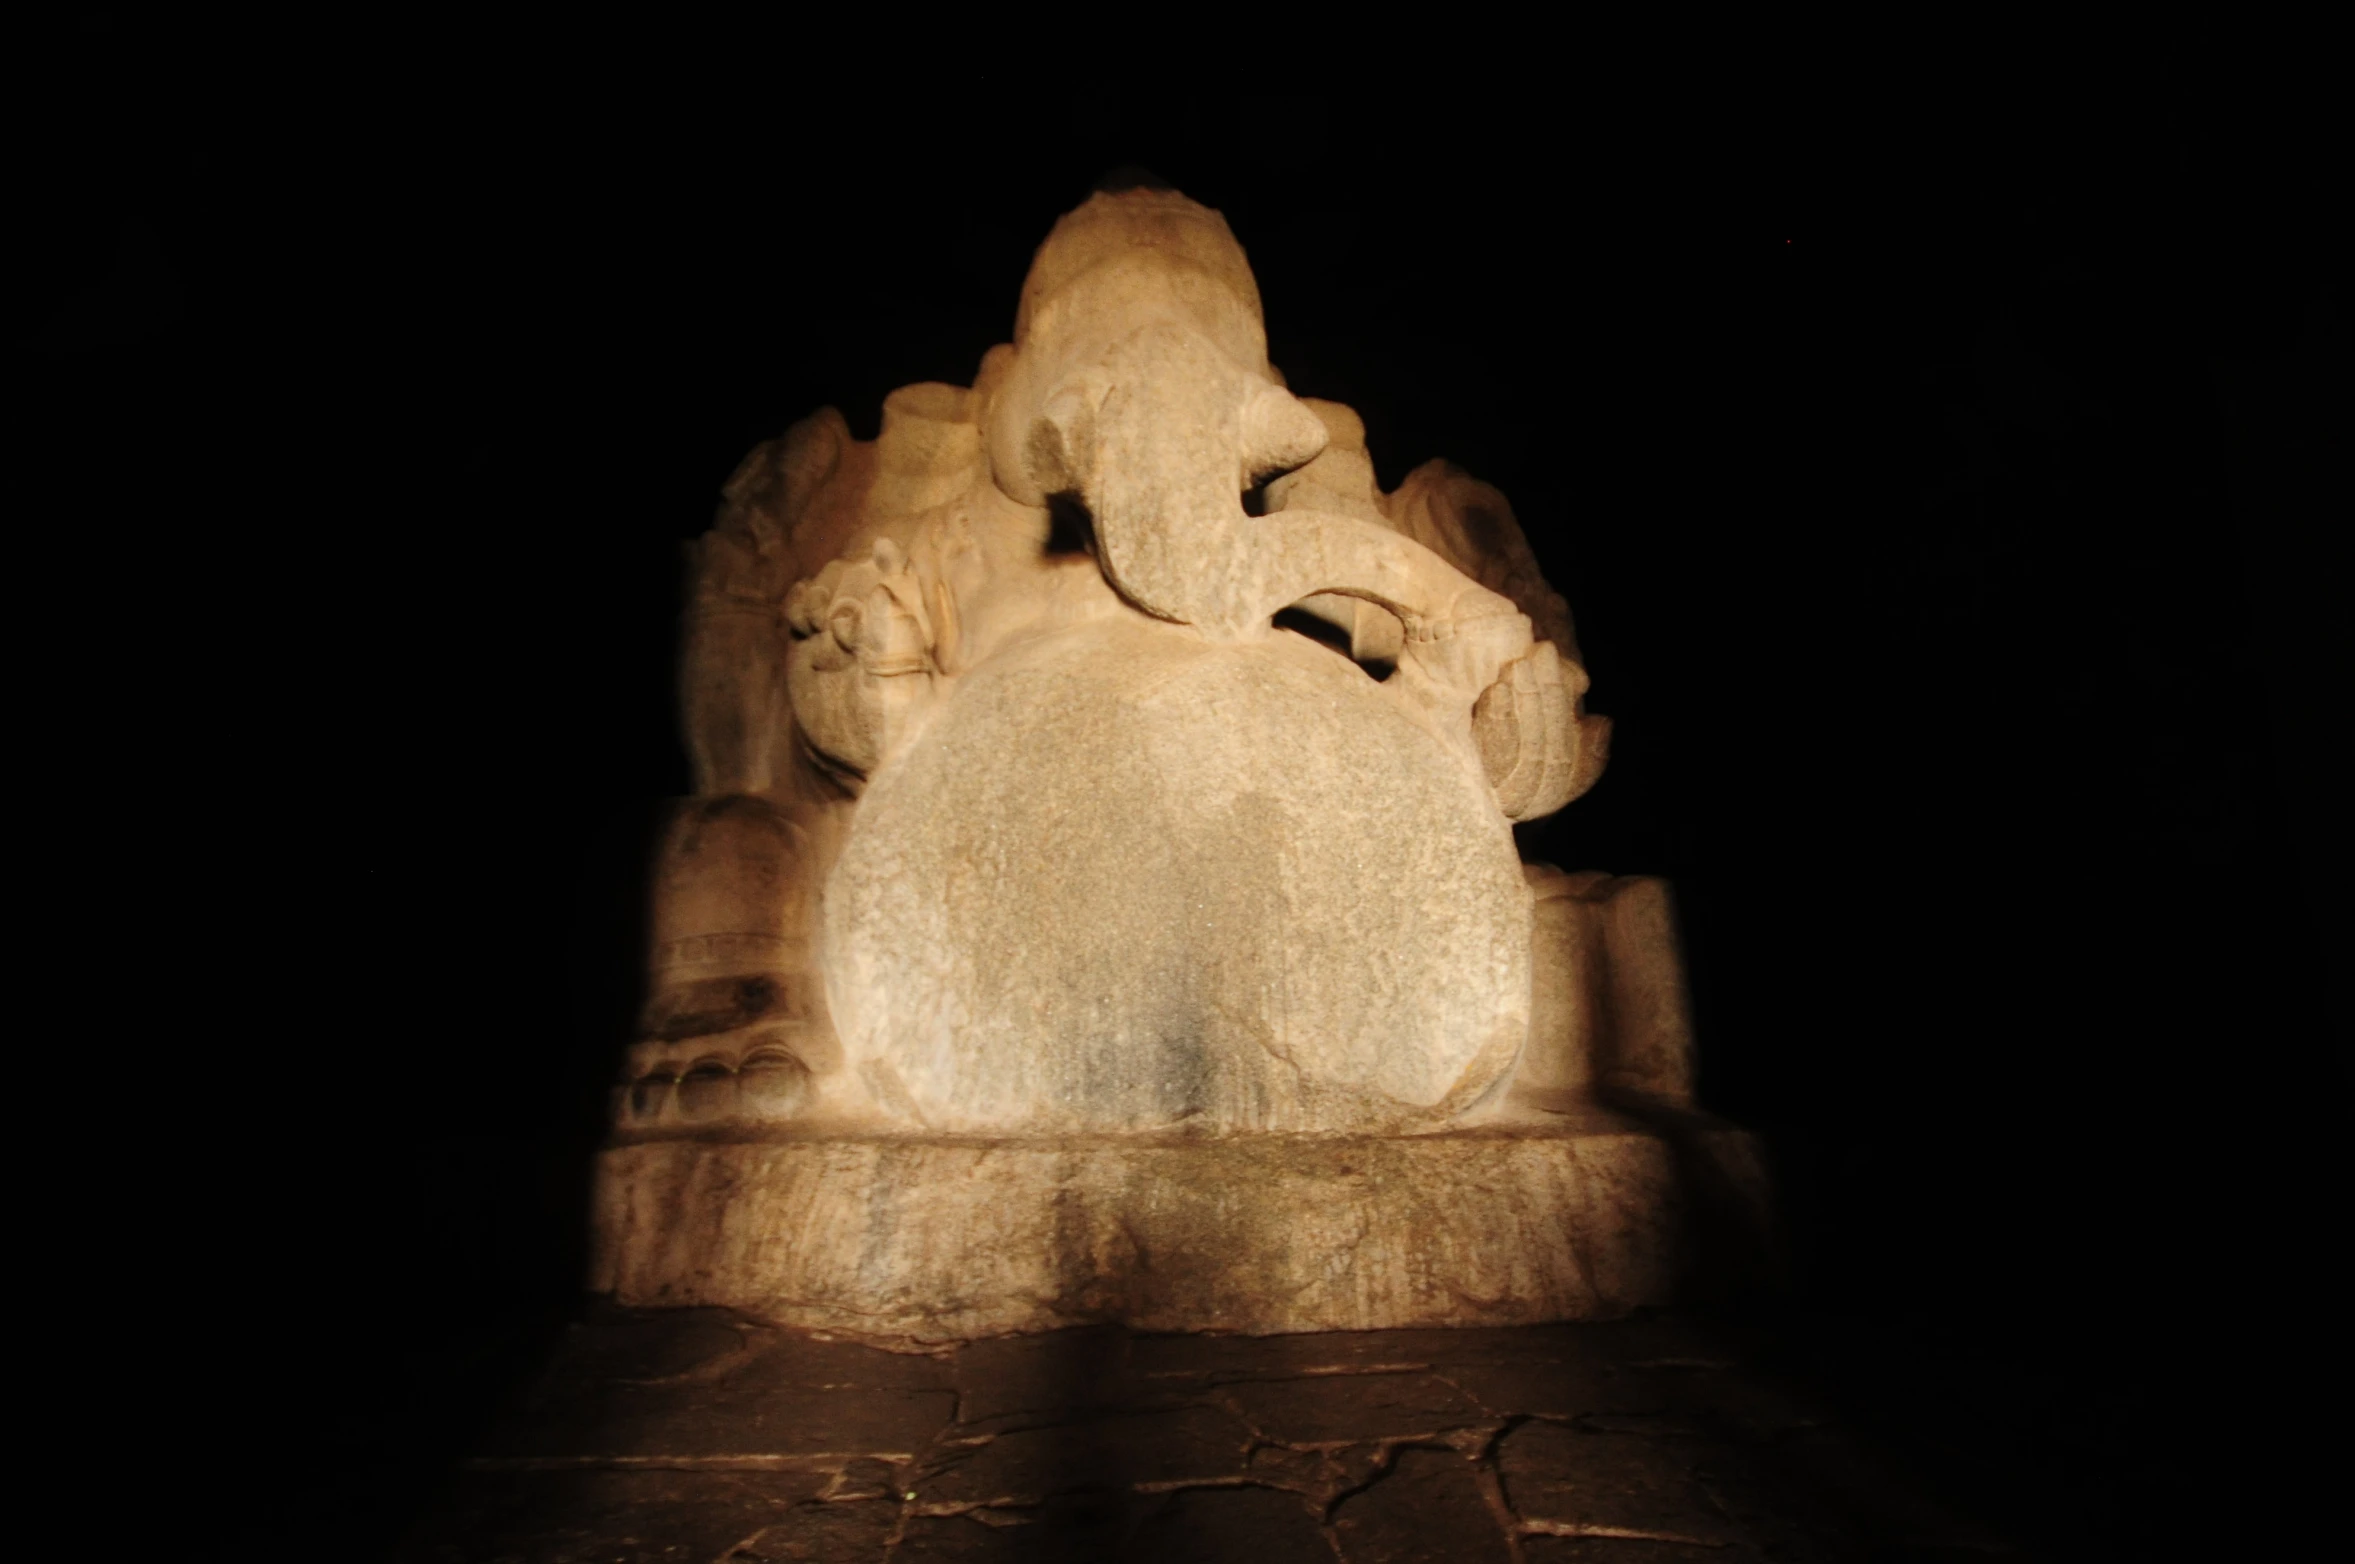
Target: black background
(1936,472)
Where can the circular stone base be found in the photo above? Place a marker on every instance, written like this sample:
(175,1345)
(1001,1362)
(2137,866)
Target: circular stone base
(920,1239)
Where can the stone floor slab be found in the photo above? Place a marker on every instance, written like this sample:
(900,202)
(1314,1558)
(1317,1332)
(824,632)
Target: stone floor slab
(1623,1550)
(1106,1452)
(848,1533)
(1427,1508)
(681,1437)
(1340,1408)
(729,1420)
(1551,1389)
(618,1343)
(1279,1357)
(706,1384)
(1022,1378)
(1069,1529)
(1563,1475)
(603,1517)
(1319,1475)
(1252,1524)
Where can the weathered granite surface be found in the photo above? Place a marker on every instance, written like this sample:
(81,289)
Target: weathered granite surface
(1100,900)
(1580,1214)
(1047,783)
(701,1435)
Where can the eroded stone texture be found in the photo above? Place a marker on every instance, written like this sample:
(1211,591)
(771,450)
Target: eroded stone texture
(1100,899)
(1229,946)
(939,1240)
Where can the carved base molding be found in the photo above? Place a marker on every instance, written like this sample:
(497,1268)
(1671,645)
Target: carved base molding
(907,1240)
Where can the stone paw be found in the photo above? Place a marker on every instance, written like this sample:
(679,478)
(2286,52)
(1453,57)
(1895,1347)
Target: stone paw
(753,1078)
(1539,750)
(863,634)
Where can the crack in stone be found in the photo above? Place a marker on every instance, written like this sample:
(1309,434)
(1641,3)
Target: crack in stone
(1479,1440)
(1675,1400)
(1385,1461)
(1516,1527)
(1473,1397)
(1472,1440)
(1181,1484)
(1330,1371)
(843,1488)
(1491,1484)
(1619,1533)
(938,1509)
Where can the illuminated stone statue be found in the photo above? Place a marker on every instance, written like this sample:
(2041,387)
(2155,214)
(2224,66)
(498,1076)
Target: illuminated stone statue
(1100,898)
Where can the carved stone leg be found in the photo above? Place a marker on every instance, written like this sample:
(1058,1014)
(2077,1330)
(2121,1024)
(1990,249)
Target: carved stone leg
(735,1015)
(1566,1019)
(1609,1009)
(1651,1009)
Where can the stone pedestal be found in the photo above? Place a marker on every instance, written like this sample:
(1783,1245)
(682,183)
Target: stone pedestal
(1579,1213)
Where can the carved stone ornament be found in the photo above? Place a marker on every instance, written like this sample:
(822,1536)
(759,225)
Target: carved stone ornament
(1100,899)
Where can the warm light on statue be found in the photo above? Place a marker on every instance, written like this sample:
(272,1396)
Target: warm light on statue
(1055,935)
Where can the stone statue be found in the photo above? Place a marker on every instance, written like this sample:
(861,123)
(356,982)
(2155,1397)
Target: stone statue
(1059,805)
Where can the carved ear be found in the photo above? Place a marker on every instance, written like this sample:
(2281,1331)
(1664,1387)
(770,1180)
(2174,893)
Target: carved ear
(1279,433)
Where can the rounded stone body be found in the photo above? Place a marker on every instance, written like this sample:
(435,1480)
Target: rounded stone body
(1129,879)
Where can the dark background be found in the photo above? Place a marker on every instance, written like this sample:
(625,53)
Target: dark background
(1942,476)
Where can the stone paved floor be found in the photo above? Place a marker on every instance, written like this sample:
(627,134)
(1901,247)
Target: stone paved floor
(700,1436)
